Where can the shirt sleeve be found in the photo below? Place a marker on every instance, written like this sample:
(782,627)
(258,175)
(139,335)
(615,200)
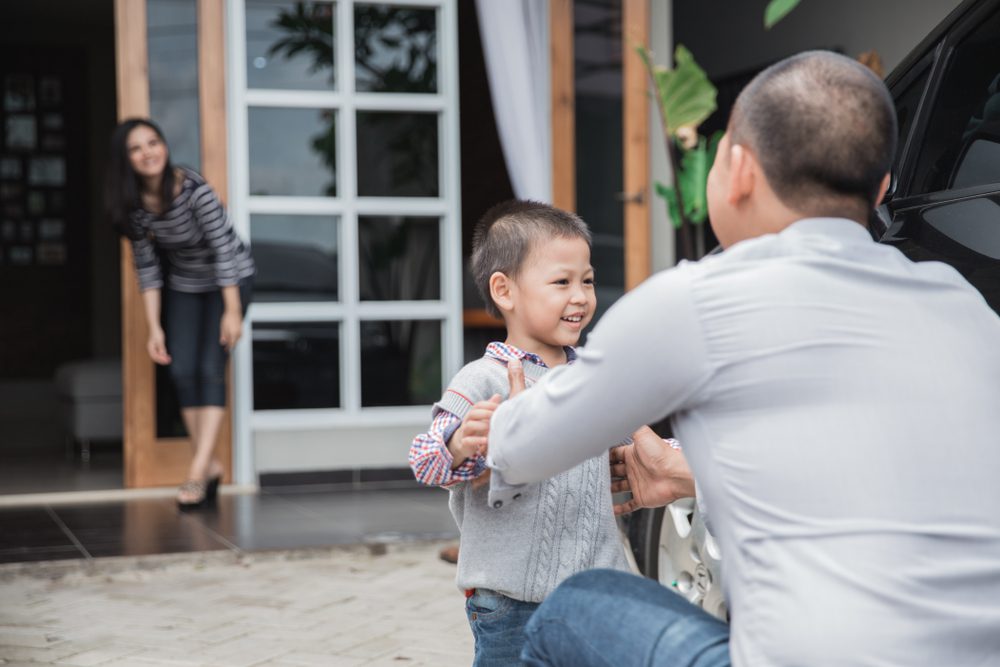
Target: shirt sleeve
(646,359)
(147,264)
(210,215)
(431,461)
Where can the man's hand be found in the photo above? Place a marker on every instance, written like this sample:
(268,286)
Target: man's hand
(655,473)
(515,376)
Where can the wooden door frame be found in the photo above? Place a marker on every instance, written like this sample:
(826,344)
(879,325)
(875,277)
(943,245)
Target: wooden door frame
(635,115)
(152,461)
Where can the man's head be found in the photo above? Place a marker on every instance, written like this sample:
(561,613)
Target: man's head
(531,265)
(811,136)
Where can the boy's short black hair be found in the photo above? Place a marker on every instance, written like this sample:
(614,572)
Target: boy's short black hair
(823,128)
(505,234)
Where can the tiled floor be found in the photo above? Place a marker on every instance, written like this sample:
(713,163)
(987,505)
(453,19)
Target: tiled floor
(268,520)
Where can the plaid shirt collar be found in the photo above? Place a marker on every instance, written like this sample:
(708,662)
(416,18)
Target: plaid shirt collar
(505,352)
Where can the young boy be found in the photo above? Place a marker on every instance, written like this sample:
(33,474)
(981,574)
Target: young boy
(531,264)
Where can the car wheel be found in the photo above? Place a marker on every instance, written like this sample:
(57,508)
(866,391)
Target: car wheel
(673,546)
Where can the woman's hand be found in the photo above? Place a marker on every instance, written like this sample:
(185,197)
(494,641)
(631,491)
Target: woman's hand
(157,346)
(230,329)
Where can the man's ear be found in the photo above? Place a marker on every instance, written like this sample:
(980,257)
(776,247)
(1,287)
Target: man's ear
(882,189)
(500,286)
(744,170)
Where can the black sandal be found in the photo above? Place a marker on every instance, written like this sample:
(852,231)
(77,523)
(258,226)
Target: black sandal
(205,492)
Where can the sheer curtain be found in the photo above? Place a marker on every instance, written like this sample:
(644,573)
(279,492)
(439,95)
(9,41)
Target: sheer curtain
(516,49)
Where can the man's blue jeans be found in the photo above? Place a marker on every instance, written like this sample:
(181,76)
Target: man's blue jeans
(605,618)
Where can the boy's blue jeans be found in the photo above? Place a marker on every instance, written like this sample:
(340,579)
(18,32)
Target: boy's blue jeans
(498,627)
(605,618)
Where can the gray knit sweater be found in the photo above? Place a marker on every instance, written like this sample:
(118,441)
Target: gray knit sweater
(557,527)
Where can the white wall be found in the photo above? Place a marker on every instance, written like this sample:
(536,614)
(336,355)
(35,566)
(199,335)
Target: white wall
(662,235)
(728,37)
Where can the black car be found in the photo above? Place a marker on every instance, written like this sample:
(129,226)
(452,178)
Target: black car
(943,204)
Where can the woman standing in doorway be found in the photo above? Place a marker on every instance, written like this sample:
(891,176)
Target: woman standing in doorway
(192,266)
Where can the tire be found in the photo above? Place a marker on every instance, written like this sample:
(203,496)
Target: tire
(673,546)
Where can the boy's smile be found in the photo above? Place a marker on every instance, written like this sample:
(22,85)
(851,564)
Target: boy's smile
(551,299)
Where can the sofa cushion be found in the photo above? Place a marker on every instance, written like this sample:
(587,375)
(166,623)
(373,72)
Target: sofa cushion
(90,378)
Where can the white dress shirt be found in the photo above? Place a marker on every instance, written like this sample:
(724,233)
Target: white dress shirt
(840,409)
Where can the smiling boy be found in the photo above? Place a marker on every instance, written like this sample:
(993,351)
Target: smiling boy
(531,264)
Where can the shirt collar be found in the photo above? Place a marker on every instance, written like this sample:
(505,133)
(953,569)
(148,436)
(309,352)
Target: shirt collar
(505,352)
(843,229)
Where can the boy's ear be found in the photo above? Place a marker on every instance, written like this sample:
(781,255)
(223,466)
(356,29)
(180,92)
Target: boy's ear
(500,287)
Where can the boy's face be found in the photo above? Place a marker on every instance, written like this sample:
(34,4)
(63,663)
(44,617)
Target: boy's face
(553,294)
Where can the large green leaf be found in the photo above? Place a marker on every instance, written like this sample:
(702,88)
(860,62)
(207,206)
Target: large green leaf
(669,196)
(777,10)
(685,95)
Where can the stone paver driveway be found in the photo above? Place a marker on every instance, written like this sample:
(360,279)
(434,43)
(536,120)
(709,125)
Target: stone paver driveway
(378,605)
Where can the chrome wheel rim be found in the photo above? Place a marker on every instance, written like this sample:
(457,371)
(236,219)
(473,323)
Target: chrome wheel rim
(690,562)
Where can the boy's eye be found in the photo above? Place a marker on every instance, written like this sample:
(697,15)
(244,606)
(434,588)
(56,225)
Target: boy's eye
(562,281)
(588,281)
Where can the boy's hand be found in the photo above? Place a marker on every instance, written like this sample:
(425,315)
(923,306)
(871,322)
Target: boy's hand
(655,473)
(470,438)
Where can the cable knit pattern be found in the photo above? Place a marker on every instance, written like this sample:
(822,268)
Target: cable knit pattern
(557,528)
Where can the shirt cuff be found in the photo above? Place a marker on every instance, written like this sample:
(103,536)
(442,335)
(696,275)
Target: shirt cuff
(502,493)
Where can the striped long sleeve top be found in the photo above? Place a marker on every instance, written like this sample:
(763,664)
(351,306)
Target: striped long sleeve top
(194,238)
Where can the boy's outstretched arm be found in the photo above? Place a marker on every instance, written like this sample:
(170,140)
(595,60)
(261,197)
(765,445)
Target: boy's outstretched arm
(452,450)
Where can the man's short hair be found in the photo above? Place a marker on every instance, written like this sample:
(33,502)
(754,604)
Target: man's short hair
(506,233)
(823,128)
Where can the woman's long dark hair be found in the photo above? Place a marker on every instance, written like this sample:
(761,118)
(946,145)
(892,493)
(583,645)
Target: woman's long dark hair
(122,185)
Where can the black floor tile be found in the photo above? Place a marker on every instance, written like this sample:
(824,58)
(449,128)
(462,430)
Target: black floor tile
(268,520)
(136,527)
(35,554)
(30,527)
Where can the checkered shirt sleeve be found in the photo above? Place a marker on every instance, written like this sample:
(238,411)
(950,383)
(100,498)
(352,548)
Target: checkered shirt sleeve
(431,461)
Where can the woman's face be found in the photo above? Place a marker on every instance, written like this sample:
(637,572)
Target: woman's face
(147,153)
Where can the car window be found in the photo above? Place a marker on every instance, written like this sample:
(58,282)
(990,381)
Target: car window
(907,100)
(961,147)
(963,233)
(907,95)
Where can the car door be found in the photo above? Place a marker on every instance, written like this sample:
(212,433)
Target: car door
(944,201)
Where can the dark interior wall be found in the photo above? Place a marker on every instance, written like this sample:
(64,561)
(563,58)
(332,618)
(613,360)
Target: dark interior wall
(484,172)
(728,36)
(88,27)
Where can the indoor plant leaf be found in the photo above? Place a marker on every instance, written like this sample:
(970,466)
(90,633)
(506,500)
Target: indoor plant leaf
(777,10)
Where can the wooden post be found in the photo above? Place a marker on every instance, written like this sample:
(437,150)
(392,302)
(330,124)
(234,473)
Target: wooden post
(635,143)
(132,75)
(214,155)
(563,104)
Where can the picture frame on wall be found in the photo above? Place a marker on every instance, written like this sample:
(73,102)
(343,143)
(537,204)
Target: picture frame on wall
(10,168)
(20,132)
(19,92)
(26,231)
(51,229)
(56,202)
(53,142)
(21,255)
(51,254)
(8,231)
(52,121)
(50,91)
(47,170)
(36,202)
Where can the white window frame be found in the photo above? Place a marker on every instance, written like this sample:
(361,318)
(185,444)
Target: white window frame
(349,311)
